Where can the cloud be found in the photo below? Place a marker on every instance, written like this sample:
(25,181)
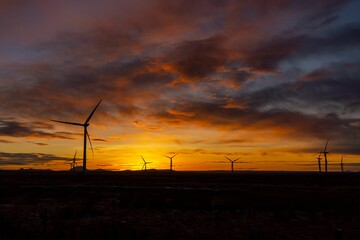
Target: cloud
(331,89)
(130,65)
(346,37)
(99,140)
(28,158)
(39,143)
(208,152)
(279,123)
(13,128)
(198,58)
(268,56)
(5,141)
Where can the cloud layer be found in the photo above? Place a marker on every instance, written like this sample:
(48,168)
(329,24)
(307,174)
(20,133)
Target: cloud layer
(288,68)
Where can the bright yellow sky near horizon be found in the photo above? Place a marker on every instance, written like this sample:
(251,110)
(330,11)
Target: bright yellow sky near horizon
(199,149)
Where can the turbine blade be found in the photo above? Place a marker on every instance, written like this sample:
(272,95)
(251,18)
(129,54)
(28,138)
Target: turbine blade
(228,158)
(143,158)
(70,123)
(92,113)
(92,150)
(326,145)
(166,156)
(75,155)
(236,159)
(174,155)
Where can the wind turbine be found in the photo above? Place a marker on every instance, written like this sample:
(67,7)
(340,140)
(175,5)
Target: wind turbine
(319,161)
(145,162)
(86,134)
(342,164)
(171,158)
(73,162)
(325,155)
(232,162)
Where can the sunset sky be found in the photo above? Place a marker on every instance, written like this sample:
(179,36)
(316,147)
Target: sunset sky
(266,81)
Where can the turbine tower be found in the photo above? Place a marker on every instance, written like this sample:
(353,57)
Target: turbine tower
(86,134)
(145,162)
(171,158)
(342,164)
(325,155)
(232,162)
(319,162)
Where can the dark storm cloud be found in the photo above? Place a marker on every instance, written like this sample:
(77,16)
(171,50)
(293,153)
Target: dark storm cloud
(13,128)
(324,14)
(267,56)
(332,89)
(101,44)
(346,37)
(28,158)
(323,22)
(270,53)
(199,58)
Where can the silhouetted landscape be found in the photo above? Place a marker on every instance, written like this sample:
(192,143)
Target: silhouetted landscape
(179,205)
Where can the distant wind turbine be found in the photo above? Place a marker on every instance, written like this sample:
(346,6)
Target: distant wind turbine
(325,155)
(73,163)
(145,162)
(319,162)
(86,134)
(171,158)
(342,163)
(232,162)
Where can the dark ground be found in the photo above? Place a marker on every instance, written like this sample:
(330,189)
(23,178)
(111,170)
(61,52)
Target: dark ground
(180,205)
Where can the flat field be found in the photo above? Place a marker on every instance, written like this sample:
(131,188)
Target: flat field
(179,205)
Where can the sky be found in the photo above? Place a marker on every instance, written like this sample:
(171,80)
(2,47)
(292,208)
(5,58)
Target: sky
(268,82)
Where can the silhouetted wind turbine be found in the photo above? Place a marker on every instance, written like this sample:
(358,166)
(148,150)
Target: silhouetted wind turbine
(325,155)
(145,162)
(342,163)
(86,134)
(73,163)
(171,158)
(319,161)
(232,162)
